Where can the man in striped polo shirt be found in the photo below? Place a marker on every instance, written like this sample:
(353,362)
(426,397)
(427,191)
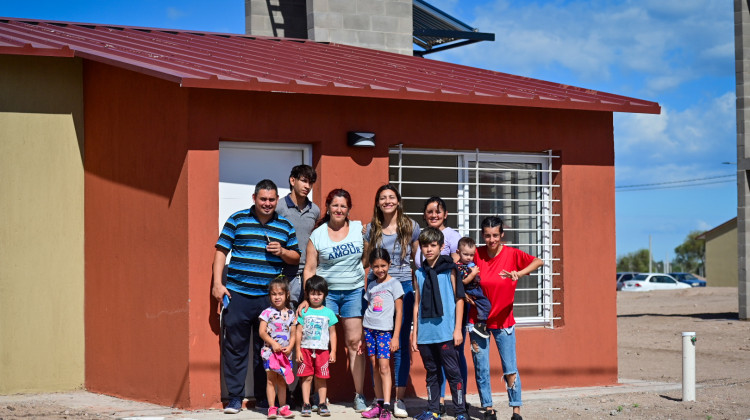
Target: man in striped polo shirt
(261,243)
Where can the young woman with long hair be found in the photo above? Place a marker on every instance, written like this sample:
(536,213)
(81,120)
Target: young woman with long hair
(392,230)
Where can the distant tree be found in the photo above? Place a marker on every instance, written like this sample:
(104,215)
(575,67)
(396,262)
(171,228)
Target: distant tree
(634,261)
(690,256)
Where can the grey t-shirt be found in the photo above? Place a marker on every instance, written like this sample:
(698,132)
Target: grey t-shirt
(381,308)
(400,268)
(303,221)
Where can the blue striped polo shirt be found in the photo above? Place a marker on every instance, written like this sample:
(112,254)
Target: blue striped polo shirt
(251,267)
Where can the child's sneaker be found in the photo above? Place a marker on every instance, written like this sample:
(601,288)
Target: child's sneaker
(323,410)
(373,404)
(516,416)
(360,404)
(306,410)
(272,412)
(399,409)
(427,415)
(480,329)
(441,410)
(385,414)
(234,406)
(285,412)
(372,413)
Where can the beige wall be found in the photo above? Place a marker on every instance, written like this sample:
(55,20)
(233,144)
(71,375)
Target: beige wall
(41,228)
(721,256)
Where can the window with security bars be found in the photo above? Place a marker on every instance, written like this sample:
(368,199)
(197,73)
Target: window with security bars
(474,185)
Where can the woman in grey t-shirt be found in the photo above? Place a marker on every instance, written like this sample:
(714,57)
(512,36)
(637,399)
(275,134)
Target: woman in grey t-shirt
(394,231)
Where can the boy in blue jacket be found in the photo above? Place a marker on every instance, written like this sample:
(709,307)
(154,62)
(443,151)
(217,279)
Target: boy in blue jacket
(438,311)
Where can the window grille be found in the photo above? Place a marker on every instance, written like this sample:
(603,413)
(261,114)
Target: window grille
(474,185)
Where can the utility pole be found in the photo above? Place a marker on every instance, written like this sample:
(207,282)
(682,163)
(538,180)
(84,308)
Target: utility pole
(650,258)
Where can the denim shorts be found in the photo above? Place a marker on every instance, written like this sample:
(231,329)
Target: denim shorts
(345,303)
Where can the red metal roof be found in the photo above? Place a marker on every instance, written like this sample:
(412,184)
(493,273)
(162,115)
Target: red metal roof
(243,62)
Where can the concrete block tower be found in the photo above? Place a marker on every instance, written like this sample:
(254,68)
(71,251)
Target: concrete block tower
(742,71)
(385,25)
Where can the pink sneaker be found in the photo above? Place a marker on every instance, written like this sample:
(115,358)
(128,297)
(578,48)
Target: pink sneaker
(372,413)
(385,414)
(285,412)
(272,411)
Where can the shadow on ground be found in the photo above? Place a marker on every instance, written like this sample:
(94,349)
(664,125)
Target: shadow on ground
(730,316)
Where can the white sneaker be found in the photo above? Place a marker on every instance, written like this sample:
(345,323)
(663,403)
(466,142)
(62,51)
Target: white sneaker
(399,409)
(360,404)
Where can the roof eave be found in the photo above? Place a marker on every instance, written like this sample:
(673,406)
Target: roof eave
(28,49)
(403,94)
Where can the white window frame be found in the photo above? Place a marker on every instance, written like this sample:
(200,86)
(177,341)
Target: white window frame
(544,201)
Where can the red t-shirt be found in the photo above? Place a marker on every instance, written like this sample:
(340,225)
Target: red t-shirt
(499,290)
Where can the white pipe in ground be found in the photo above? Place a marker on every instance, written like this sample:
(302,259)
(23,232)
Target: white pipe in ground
(688,366)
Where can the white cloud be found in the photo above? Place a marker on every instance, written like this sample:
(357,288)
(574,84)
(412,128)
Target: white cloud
(724,51)
(666,82)
(174,13)
(632,130)
(703,225)
(667,43)
(675,145)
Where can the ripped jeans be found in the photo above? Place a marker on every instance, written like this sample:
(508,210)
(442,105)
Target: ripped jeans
(480,352)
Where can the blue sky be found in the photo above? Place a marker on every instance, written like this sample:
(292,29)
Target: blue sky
(679,53)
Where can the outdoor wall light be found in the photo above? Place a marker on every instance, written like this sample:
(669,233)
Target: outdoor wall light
(360,139)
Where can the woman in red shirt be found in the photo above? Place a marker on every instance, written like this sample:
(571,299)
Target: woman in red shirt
(500,268)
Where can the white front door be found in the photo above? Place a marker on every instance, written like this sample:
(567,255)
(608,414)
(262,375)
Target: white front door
(243,164)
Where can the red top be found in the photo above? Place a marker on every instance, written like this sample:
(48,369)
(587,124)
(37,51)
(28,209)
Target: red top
(499,290)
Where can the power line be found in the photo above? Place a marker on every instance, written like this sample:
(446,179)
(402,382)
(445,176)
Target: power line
(676,182)
(697,184)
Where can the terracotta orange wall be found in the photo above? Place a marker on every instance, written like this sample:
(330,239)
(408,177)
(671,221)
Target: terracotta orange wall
(152,205)
(582,349)
(136,231)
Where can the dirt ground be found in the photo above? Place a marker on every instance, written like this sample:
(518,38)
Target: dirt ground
(649,350)
(650,326)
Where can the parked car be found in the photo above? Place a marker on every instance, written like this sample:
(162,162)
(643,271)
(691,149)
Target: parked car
(645,282)
(621,277)
(689,278)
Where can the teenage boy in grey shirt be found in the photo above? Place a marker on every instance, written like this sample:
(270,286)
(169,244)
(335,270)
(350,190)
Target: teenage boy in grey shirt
(303,214)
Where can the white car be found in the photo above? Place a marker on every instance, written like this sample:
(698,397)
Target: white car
(645,282)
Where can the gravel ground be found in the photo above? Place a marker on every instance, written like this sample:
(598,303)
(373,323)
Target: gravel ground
(650,326)
(650,368)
